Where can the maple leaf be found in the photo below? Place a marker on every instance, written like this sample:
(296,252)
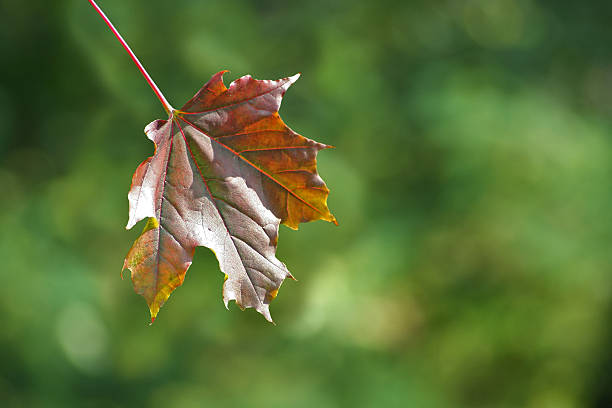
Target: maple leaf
(225,173)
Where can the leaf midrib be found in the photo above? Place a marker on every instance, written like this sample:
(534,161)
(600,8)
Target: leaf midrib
(212,199)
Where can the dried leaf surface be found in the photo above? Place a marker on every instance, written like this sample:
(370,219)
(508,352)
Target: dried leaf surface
(225,173)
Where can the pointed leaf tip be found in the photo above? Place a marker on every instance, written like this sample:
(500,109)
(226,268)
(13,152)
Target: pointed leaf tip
(295,77)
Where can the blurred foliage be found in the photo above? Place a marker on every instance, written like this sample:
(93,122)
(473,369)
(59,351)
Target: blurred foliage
(471,180)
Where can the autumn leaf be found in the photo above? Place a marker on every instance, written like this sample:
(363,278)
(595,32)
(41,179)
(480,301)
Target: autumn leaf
(225,173)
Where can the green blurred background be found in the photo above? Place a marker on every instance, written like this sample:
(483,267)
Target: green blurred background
(471,180)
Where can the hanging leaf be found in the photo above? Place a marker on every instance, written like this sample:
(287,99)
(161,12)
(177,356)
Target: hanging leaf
(225,173)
